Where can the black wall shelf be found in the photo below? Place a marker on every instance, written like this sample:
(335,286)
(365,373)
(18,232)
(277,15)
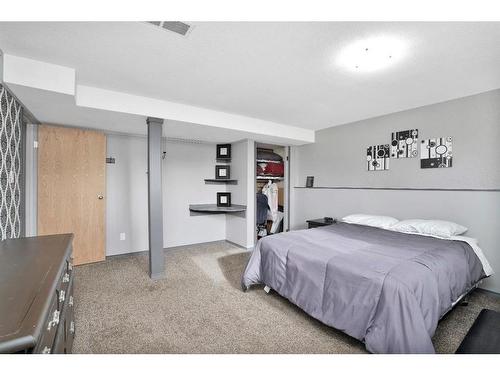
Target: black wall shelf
(214,209)
(223,155)
(221,181)
(269,161)
(266,178)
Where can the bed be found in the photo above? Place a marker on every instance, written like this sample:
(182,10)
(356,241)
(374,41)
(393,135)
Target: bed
(385,288)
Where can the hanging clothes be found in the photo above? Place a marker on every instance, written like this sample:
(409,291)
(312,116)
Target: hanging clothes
(270,190)
(262,209)
(276,223)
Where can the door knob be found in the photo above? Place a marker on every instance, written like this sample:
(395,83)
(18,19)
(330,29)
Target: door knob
(100,196)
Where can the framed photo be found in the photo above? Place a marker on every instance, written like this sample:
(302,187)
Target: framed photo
(224,151)
(223,199)
(222,172)
(310,181)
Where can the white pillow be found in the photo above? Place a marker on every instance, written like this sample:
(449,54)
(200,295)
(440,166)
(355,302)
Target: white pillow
(439,228)
(371,220)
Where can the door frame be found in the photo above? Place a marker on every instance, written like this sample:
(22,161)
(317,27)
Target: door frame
(286,189)
(31,180)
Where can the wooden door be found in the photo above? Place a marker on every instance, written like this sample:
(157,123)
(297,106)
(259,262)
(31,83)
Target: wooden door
(71,188)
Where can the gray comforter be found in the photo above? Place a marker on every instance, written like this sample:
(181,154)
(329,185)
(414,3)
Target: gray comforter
(385,288)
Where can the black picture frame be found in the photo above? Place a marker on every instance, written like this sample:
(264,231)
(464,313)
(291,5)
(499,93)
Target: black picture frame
(224,199)
(222,172)
(310,181)
(223,151)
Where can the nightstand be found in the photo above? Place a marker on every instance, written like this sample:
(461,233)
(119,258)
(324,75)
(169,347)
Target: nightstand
(314,223)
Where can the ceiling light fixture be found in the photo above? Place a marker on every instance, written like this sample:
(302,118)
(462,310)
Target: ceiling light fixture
(372,54)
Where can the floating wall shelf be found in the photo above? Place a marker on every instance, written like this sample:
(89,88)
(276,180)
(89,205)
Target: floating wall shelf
(214,209)
(220,181)
(269,161)
(265,178)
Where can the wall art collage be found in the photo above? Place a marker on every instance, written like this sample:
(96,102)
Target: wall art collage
(434,152)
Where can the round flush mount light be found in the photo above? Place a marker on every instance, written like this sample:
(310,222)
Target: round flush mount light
(372,54)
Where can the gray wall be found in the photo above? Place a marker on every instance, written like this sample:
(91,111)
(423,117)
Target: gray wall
(240,228)
(184,170)
(338,159)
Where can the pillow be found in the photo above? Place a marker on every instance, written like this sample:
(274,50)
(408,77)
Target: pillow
(371,220)
(439,228)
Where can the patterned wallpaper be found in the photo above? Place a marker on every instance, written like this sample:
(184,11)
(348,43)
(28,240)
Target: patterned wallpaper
(10,165)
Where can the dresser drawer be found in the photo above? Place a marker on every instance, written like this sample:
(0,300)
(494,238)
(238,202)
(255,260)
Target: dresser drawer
(53,337)
(49,329)
(70,333)
(59,346)
(63,283)
(69,264)
(69,320)
(65,279)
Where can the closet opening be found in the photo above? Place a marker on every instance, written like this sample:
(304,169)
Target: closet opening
(272,189)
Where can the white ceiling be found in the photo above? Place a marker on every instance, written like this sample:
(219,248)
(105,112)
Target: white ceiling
(56,108)
(282,72)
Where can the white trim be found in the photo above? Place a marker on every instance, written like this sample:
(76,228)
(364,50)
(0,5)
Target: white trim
(1,66)
(38,74)
(93,97)
(31,181)
(60,79)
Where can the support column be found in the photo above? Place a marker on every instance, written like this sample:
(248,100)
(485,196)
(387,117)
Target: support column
(155,201)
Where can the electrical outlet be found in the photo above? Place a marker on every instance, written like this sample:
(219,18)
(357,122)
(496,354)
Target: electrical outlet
(122,236)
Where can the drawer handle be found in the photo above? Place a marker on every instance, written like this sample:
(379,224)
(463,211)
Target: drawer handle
(46,350)
(54,321)
(72,327)
(65,278)
(70,301)
(62,296)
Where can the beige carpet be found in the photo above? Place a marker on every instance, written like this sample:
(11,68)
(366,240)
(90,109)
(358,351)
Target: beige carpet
(199,308)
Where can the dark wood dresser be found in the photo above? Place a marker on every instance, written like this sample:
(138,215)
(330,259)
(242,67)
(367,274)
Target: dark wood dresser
(36,295)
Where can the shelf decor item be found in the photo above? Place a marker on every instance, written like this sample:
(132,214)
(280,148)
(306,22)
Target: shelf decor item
(223,199)
(310,181)
(224,152)
(222,172)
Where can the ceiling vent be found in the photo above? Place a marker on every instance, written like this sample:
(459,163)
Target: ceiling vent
(174,26)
